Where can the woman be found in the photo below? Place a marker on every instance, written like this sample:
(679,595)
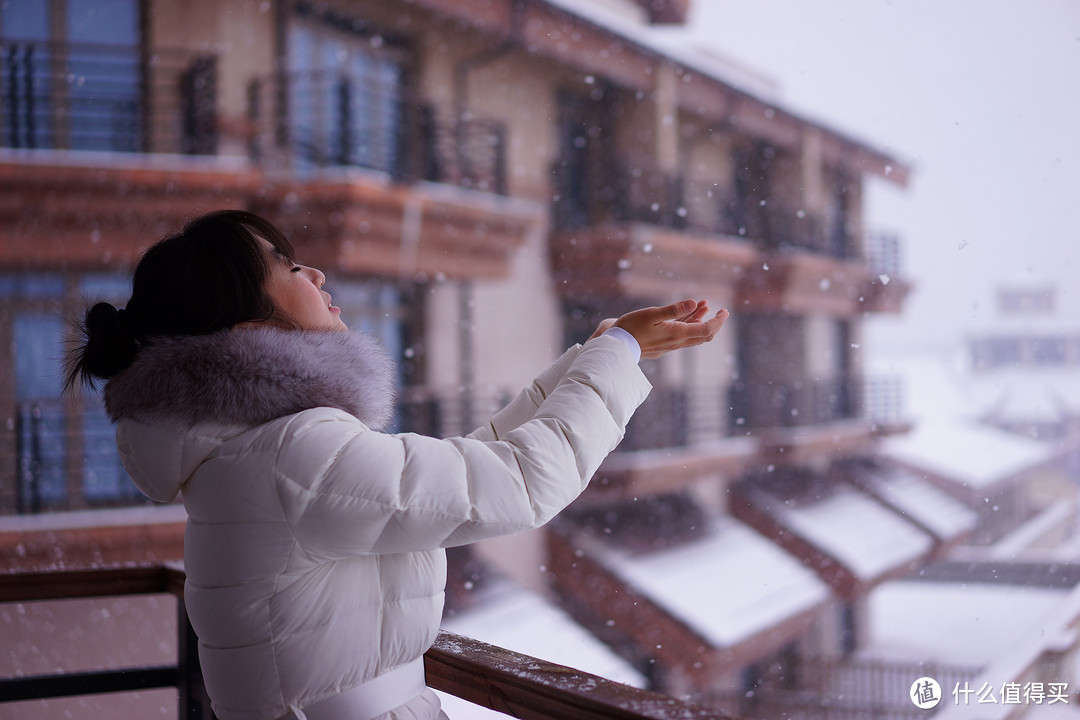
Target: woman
(314,543)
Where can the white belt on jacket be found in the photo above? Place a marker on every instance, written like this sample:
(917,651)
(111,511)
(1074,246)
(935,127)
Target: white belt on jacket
(371,699)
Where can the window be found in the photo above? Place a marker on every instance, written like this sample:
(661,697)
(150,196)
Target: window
(1048,351)
(40,422)
(65,448)
(76,85)
(1016,301)
(345,104)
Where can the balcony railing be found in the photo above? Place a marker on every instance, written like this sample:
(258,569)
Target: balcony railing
(851,688)
(782,405)
(672,200)
(645,194)
(878,399)
(113,98)
(49,441)
(790,228)
(486,675)
(326,119)
(883,253)
(674,417)
(445,413)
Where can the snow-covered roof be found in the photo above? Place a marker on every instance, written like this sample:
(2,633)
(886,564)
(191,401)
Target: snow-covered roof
(672,44)
(967,453)
(937,384)
(1028,394)
(855,530)
(523,621)
(728,586)
(960,623)
(929,507)
(1039,532)
(946,403)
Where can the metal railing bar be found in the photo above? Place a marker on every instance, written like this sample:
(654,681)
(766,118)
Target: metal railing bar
(93,682)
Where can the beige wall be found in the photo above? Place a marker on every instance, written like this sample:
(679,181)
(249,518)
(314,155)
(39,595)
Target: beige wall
(241,32)
(708,173)
(822,341)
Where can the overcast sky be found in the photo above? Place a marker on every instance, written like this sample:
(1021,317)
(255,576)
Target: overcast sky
(982,98)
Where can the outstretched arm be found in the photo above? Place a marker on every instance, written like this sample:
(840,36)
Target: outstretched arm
(657,330)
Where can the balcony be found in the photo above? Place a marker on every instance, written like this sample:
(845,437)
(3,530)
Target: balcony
(375,180)
(844,688)
(679,436)
(888,289)
(104,146)
(438,413)
(645,237)
(799,421)
(108,98)
(486,675)
(659,232)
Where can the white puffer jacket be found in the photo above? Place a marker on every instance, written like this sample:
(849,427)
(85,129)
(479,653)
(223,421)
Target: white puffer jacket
(314,543)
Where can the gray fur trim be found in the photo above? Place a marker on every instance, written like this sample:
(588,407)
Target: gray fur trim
(251,376)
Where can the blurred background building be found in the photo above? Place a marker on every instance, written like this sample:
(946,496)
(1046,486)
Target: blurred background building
(482,183)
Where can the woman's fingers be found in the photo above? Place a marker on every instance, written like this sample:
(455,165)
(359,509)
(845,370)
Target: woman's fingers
(699,311)
(659,330)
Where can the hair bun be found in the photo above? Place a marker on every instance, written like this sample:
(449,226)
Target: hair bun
(110,344)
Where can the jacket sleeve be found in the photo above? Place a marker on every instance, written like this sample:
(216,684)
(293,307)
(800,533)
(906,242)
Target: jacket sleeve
(346,490)
(524,406)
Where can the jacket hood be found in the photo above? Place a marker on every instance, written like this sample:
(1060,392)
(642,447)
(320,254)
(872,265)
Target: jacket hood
(184,396)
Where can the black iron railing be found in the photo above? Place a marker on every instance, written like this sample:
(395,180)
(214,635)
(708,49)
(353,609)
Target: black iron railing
(875,398)
(790,228)
(112,98)
(646,194)
(49,441)
(883,253)
(327,119)
(678,416)
(445,413)
(846,688)
(672,200)
(777,405)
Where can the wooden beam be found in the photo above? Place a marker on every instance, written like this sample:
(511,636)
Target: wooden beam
(532,689)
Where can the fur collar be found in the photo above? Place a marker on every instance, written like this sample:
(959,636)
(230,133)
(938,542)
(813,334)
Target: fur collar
(248,377)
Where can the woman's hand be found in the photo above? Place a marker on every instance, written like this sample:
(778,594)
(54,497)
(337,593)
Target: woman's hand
(660,330)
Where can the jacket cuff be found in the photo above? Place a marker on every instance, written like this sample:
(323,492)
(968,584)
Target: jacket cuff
(626,337)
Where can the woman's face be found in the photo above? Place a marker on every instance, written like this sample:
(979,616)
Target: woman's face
(296,291)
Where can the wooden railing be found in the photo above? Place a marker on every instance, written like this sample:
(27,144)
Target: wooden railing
(486,675)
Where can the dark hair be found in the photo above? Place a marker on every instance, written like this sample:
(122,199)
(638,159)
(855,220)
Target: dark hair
(208,277)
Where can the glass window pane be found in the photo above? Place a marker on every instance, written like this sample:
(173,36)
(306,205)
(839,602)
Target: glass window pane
(344,98)
(103,82)
(103,21)
(29,286)
(41,437)
(109,288)
(104,478)
(24,19)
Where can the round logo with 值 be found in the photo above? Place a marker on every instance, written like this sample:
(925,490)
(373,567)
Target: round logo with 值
(925,693)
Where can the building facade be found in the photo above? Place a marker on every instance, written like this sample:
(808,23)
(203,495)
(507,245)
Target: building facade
(482,182)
